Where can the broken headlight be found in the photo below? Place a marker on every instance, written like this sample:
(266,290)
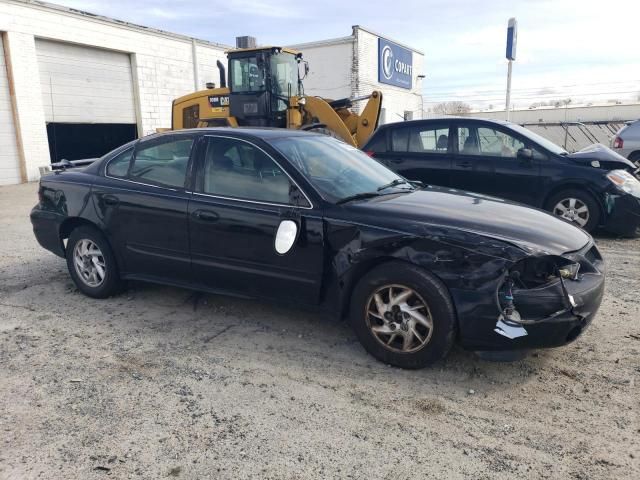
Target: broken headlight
(624,181)
(569,271)
(533,272)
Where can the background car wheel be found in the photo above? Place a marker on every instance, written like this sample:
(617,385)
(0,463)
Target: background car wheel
(403,316)
(635,158)
(579,207)
(91,263)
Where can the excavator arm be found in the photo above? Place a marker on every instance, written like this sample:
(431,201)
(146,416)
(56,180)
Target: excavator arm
(355,129)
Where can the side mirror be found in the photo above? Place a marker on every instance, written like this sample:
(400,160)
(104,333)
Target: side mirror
(525,154)
(302,72)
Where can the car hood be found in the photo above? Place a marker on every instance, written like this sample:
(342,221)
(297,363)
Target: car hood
(606,158)
(526,227)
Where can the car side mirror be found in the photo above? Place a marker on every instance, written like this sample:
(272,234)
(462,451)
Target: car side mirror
(525,154)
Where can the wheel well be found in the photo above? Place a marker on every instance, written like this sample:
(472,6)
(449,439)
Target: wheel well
(357,272)
(69,225)
(361,269)
(573,186)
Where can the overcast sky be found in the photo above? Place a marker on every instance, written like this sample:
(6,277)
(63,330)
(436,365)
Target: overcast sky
(584,49)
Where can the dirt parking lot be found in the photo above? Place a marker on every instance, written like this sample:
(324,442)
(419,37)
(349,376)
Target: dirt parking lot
(160,382)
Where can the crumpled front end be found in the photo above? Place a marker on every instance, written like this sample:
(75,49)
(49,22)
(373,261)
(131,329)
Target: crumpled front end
(541,301)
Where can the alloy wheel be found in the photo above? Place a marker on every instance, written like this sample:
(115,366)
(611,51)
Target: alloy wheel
(574,210)
(89,263)
(399,318)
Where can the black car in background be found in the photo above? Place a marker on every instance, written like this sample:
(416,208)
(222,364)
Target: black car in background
(302,217)
(591,188)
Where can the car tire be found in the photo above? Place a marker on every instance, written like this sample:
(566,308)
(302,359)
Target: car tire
(92,264)
(573,202)
(635,159)
(431,344)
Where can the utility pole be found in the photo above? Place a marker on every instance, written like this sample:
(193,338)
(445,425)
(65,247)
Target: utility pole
(512,36)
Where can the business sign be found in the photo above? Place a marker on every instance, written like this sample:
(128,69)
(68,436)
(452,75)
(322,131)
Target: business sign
(512,37)
(395,64)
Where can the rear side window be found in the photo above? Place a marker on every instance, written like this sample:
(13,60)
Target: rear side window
(433,139)
(119,165)
(163,164)
(420,139)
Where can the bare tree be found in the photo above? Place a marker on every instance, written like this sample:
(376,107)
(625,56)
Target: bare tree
(452,108)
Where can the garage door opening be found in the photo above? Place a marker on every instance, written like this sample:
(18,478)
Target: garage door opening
(88,99)
(75,141)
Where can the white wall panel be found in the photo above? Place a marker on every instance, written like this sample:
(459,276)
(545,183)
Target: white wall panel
(9,157)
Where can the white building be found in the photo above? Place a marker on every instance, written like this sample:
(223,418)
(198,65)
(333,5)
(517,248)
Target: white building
(74,85)
(351,67)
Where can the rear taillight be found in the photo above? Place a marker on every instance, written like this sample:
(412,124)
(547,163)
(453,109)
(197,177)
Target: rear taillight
(40,193)
(371,153)
(618,142)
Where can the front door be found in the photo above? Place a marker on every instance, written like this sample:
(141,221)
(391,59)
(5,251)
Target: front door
(489,160)
(242,197)
(143,204)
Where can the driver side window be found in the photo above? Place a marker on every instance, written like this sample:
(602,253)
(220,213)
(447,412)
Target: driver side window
(237,169)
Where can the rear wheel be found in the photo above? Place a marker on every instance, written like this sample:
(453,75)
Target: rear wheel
(403,316)
(576,206)
(91,263)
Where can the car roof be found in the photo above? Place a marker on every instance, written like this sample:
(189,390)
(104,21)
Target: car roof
(447,118)
(262,133)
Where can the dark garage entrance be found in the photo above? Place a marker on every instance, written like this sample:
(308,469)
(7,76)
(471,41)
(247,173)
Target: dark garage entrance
(75,141)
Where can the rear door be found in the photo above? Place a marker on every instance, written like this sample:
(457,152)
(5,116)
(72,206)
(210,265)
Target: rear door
(142,201)
(489,159)
(419,151)
(242,196)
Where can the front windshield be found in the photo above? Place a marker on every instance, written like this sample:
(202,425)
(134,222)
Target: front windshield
(543,142)
(337,170)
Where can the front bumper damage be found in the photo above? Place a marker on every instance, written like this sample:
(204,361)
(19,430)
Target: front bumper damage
(557,312)
(548,314)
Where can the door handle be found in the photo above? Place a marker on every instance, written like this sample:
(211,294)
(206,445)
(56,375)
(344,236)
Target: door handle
(206,215)
(464,164)
(110,200)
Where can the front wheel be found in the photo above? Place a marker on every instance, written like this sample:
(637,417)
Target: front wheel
(576,206)
(91,263)
(403,315)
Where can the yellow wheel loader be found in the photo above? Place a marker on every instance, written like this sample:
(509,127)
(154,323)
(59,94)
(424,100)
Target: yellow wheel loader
(265,89)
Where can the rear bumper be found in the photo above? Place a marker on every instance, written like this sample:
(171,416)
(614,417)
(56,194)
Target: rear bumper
(623,214)
(46,228)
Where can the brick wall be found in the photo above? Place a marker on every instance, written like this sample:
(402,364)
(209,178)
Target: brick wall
(162,66)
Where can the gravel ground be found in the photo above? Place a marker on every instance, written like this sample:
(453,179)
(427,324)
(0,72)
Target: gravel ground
(161,382)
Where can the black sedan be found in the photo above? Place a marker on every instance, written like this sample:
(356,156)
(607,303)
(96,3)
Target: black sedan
(591,188)
(304,218)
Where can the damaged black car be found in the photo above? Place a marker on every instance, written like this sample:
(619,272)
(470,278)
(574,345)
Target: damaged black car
(303,218)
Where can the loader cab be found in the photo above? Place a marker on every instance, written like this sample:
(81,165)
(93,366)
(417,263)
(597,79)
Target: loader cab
(261,82)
